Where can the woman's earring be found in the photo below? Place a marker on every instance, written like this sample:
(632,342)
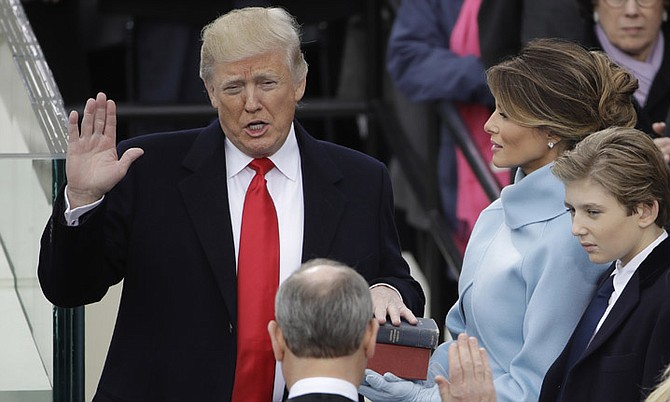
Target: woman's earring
(596,17)
(665,15)
(550,144)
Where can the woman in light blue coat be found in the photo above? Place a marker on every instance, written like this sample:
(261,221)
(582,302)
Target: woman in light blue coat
(526,280)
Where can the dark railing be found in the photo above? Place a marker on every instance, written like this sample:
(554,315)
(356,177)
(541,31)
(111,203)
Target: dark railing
(463,139)
(68,329)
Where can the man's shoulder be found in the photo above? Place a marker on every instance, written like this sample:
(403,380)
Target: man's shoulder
(177,139)
(345,158)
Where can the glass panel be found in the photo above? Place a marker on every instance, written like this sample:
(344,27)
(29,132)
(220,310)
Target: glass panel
(32,145)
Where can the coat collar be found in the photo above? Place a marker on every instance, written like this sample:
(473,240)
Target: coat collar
(205,195)
(534,198)
(324,202)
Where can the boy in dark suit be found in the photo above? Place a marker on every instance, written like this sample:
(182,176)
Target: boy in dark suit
(618,192)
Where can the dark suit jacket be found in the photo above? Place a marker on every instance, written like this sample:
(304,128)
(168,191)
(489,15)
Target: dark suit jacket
(165,229)
(631,349)
(319,398)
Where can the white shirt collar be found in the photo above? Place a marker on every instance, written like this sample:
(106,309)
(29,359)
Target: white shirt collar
(324,385)
(625,272)
(284,159)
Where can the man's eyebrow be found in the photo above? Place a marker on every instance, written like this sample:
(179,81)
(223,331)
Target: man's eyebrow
(231,80)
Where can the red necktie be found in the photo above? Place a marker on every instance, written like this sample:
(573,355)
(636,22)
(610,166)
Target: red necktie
(257,281)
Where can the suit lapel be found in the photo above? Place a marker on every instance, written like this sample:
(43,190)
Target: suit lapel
(324,202)
(622,309)
(205,195)
(646,274)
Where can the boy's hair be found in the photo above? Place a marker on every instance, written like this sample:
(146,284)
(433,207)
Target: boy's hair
(626,163)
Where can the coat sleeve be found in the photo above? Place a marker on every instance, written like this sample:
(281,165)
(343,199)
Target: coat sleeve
(73,269)
(395,270)
(420,62)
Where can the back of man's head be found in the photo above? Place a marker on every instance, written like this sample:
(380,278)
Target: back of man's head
(323,310)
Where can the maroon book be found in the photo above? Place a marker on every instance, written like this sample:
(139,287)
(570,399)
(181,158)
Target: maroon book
(405,350)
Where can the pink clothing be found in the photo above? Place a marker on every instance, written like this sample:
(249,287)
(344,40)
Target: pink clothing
(471,197)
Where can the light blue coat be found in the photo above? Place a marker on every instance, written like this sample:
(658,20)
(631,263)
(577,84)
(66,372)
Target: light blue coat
(525,283)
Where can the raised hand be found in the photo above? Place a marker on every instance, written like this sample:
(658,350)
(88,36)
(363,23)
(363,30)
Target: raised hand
(92,165)
(470,377)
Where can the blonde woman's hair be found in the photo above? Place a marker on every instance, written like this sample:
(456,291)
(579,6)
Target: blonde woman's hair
(562,87)
(248,32)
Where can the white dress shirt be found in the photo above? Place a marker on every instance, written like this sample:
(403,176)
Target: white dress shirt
(285,186)
(622,275)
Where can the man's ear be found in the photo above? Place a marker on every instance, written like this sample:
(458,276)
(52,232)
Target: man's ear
(647,214)
(299,90)
(277,339)
(370,338)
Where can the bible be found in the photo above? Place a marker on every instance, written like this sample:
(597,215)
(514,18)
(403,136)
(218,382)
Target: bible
(405,350)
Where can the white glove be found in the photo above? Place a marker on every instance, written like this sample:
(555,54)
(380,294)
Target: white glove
(389,388)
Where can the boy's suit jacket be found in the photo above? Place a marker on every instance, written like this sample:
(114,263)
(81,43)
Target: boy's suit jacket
(632,347)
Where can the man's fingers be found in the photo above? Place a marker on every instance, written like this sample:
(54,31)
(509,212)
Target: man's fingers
(393,313)
(73,126)
(128,158)
(110,119)
(87,119)
(380,314)
(100,113)
(407,314)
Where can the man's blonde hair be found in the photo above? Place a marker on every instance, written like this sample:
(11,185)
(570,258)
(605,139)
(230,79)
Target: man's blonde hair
(248,32)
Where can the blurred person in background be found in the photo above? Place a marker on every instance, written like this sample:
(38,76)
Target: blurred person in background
(635,34)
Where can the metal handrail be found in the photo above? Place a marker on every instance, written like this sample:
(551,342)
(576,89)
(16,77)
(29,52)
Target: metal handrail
(412,167)
(307,108)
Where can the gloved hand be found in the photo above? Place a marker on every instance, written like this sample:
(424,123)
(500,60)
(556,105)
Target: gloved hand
(389,388)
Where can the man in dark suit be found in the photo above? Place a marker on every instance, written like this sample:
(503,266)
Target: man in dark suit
(618,192)
(324,331)
(170,226)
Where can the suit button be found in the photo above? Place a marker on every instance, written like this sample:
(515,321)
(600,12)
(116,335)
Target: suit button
(230,328)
